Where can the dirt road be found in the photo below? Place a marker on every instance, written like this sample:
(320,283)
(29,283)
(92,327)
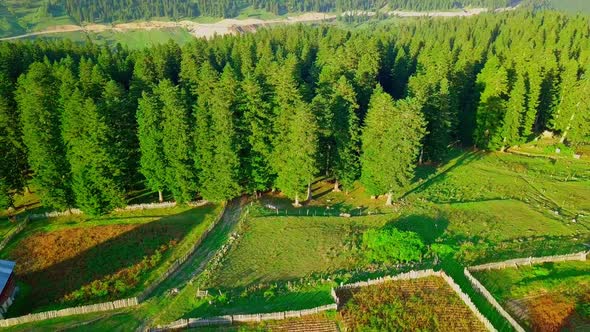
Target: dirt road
(234,26)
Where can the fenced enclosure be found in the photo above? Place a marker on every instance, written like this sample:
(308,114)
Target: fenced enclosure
(515,263)
(251,318)
(417,275)
(124,303)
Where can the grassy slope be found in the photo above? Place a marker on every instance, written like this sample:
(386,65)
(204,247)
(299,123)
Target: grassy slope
(508,200)
(286,248)
(133,39)
(542,288)
(565,277)
(103,245)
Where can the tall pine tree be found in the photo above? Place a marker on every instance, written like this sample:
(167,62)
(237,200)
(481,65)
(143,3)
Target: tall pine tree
(391,141)
(37,97)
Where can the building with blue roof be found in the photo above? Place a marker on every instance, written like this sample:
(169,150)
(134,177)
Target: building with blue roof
(7,285)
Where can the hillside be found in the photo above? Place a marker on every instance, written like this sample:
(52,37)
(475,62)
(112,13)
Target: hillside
(18,17)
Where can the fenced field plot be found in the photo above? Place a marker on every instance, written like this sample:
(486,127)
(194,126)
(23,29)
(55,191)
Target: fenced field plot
(425,304)
(543,297)
(77,260)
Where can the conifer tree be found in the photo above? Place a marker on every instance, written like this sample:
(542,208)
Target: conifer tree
(295,155)
(258,116)
(176,143)
(12,154)
(515,108)
(346,133)
(120,117)
(203,155)
(572,118)
(391,143)
(37,97)
(493,82)
(152,162)
(220,182)
(95,169)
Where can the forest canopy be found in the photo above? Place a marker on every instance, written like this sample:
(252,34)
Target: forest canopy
(88,124)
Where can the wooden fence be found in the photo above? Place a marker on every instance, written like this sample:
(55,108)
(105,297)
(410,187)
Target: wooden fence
(70,311)
(515,263)
(424,274)
(13,233)
(174,267)
(119,304)
(480,288)
(134,207)
(580,256)
(231,319)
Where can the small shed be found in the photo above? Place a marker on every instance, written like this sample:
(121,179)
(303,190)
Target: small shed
(7,285)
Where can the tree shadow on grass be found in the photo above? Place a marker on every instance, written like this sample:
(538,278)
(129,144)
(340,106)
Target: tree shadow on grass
(118,247)
(429,178)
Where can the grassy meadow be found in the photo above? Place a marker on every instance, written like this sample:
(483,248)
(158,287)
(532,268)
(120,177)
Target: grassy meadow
(544,296)
(481,207)
(133,39)
(77,259)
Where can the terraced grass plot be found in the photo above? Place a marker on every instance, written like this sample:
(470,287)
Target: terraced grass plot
(544,297)
(426,304)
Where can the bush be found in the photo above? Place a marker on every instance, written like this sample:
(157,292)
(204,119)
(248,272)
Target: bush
(392,246)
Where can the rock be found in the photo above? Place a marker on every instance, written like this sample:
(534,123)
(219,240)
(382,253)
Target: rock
(345,215)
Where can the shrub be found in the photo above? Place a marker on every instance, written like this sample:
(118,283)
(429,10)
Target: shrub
(550,312)
(392,246)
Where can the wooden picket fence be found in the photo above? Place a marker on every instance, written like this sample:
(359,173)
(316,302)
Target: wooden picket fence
(133,207)
(119,304)
(13,233)
(251,318)
(580,256)
(515,263)
(107,306)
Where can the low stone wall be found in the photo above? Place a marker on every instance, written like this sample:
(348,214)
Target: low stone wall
(231,319)
(580,256)
(70,311)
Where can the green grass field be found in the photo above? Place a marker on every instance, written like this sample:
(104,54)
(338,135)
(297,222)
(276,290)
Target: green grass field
(484,207)
(19,17)
(535,293)
(120,254)
(133,39)
(287,248)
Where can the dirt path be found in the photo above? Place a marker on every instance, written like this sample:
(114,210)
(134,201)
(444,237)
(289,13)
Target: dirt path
(234,26)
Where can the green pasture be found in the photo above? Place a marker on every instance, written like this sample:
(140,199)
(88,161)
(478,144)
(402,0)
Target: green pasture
(570,278)
(145,232)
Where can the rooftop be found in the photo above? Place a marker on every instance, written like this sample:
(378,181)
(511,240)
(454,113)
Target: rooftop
(6,268)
